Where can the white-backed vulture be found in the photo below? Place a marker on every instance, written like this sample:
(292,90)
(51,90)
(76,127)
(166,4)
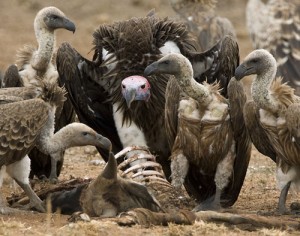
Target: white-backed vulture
(28,121)
(202,21)
(35,63)
(123,49)
(205,133)
(107,196)
(274,25)
(275,110)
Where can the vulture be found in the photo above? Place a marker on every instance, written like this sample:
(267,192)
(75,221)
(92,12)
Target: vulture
(106,196)
(202,21)
(27,120)
(275,26)
(33,64)
(205,133)
(272,118)
(105,99)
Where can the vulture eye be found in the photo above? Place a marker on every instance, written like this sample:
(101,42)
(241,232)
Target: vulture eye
(54,17)
(84,133)
(254,60)
(143,86)
(123,86)
(167,62)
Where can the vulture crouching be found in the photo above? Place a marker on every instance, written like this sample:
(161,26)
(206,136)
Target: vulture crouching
(27,120)
(39,64)
(114,107)
(275,111)
(205,133)
(107,196)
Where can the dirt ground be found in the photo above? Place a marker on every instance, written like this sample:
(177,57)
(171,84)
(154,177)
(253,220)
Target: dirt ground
(259,193)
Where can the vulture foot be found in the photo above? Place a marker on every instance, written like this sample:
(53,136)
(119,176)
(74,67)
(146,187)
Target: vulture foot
(208,206)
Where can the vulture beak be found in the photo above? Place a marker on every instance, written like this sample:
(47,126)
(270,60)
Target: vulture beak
(151,69)
(240,72)
(103,142)
(68,25)
(130,96)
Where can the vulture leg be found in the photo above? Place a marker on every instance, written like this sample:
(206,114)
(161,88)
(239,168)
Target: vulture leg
(282,198)
(54,158)
(19,171)
(179,168)
(222,178)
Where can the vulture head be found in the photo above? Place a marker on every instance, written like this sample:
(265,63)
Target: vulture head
(51,18)
(79,134)
(173,64)
(258,62)
(135,88)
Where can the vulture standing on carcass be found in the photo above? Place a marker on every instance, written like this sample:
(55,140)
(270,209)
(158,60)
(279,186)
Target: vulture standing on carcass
(105,99)
(272,118)
(202,21)
(210,130)
(39,63)
(275,26)
(107,195)
(27,120)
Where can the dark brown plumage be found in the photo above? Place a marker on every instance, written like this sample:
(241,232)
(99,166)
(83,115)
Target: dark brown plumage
(35,63)
(124,49)
(202,21)
(275,111)
(205,136)
(274,25)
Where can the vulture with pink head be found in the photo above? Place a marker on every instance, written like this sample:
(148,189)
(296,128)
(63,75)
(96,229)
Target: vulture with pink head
(111,94)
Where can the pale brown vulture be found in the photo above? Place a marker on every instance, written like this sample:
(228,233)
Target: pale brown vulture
(108,195)
(205,134)
(202,21)
(27,120)
(35,63)
(274,112)
(275,26)
(100,93)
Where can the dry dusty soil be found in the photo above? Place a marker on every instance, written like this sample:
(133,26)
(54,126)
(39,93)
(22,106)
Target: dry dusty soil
(259,193)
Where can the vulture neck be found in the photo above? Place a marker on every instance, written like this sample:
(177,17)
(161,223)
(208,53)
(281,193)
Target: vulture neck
(261,90)
(46,42)
(191,87)
(48,142)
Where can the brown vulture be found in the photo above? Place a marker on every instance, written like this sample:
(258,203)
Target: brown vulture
(276,111)
(202,21)
(108,195)
(104,98)
(275,26)
(27,120)
(205,124)
(34,64)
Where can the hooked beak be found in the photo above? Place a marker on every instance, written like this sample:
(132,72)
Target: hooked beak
(69,25)
(241,71)
(103,142)
(130,96)
(151,69)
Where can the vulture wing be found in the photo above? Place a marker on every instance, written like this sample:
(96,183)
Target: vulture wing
(89,99)
(171,110)
(20,125)
(243,145)
(202,21)
(275,26)
(219,61)
(256,131)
